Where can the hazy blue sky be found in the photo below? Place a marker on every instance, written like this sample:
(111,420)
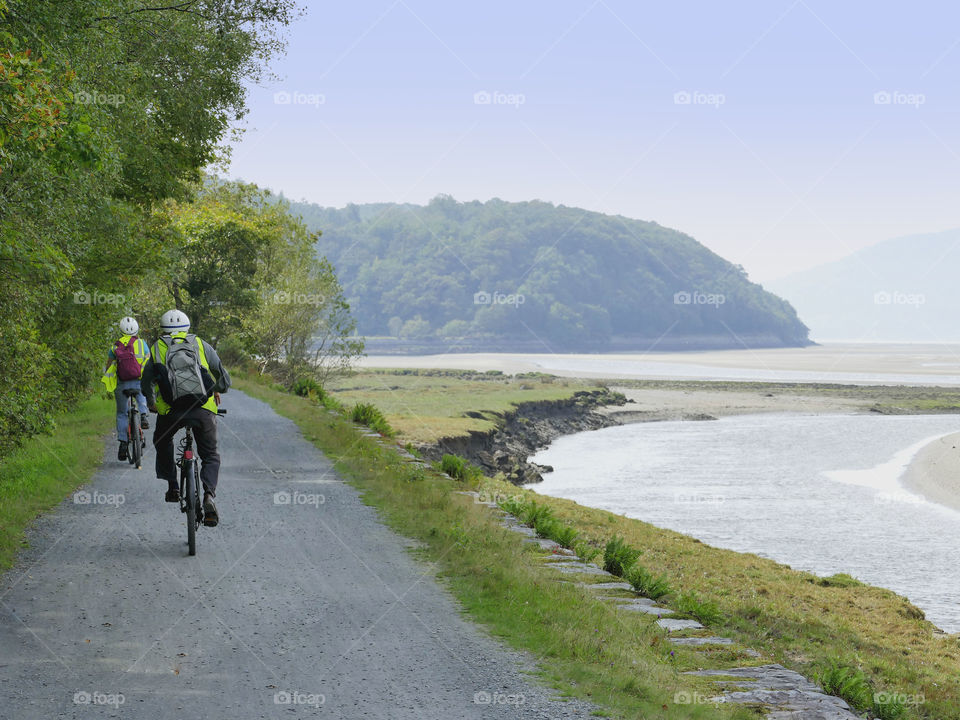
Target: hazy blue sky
(783,158)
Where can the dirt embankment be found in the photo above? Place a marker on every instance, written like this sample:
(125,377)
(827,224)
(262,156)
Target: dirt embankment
(531,427)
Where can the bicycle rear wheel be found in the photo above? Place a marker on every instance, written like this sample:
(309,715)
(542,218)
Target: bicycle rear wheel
(190,497)
(135,439)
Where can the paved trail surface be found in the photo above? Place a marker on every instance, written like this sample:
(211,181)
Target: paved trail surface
(311,608)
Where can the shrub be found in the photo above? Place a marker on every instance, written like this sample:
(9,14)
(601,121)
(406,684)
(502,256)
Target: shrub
(846,682)
(705,611)
(305,386)
(889,706)
(618,556)
(458,468)
(646,583)
(369,415)
(534,514)
(516,506)
(564,535)
(585,551)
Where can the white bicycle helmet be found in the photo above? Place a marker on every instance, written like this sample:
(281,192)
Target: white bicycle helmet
(174,321)
(129,326)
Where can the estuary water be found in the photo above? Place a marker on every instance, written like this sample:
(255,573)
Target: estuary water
(819,493)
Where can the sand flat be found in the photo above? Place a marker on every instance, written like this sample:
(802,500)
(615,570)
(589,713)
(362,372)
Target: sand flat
(935,472)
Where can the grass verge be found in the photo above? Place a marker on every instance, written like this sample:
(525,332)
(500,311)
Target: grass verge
(585,647)
(41,473)
(805,622)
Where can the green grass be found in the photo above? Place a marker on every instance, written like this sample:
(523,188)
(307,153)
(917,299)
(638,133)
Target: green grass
(424,406)
(794,618)
(584,647)
(48,468)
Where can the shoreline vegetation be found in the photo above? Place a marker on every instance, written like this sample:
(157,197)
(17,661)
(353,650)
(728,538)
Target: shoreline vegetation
(864,643)
(825,628)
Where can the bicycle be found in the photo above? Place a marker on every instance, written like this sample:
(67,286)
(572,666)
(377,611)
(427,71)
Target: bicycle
(190,486)
(135,442)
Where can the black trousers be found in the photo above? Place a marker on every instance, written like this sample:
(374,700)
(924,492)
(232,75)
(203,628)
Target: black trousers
(204,426)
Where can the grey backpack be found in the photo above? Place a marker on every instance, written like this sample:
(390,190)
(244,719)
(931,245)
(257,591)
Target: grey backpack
(183,381)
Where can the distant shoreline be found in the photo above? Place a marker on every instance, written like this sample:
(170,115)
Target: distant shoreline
(620,343)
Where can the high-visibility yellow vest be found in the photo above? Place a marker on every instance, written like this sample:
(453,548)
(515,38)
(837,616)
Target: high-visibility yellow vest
(160,356)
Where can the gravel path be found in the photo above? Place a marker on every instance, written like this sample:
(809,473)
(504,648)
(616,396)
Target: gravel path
(301,604)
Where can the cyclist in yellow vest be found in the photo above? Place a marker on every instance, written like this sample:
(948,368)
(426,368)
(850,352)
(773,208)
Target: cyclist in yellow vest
(200,414)
(124,369)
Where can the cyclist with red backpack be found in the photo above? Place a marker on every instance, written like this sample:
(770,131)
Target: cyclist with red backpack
(127,358)
(189,376)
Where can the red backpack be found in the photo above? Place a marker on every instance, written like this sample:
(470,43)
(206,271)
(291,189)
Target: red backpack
(128,367)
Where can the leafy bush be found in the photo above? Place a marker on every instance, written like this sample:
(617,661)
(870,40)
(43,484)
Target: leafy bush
(534,514)
(585,551)
(618,556)
(706,611)
(370,415)
(846,682)
(305,386)
(646,583)
(562,534)
(458,468)
(514,505)
(889,706)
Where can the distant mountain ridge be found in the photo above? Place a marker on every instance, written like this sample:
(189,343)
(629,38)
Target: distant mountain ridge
(900,290)
(532,275)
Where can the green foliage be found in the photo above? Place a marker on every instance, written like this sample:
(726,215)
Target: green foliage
(585,551)
(889,706)
(107,110)
(458,468)
(370,415)
(706,611)
(846,682)
(840,580)
(305,386)
(618,557)
(646,583)
(457,272)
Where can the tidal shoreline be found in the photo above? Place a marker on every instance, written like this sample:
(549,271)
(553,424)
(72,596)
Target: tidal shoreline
(935,472)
